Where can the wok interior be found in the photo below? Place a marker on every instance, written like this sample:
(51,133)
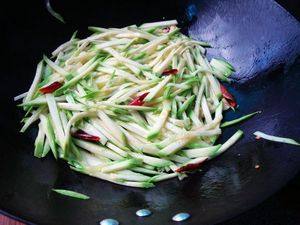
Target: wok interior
(256,42)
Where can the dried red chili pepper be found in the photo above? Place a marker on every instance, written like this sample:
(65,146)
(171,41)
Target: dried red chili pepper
(166,29)
(190,167)
(139,101)
(51,88)
(229,97)
(80,134)
(170,72)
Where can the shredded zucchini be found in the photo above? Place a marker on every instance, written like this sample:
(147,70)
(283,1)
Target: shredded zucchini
(290,141)
(129,105)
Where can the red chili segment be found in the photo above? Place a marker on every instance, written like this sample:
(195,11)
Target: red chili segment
(166,29)
(139,101)
(170,72)
(51,88)
(190,167)
(80,134)
(229,97)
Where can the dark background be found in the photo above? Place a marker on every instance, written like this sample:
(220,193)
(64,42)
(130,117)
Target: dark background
(282,208)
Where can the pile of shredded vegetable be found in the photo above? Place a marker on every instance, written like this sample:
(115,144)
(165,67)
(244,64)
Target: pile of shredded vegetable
(133,105)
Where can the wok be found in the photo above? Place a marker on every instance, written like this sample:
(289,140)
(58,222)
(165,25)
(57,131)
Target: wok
(259,37)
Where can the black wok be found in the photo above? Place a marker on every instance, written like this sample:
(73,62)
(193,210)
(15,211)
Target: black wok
(259,37)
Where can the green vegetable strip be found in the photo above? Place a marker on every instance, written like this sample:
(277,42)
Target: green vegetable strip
(234,138)
(126,164)
(174,109)
(39,142)
(199,97)
(131,176)
(48,129)
(161,120)
(46,148)
(72,194)
(72,121)
(205,110)
(202,152)
(290,141)
(98,150)
(53,13)
(34,117)
(56,122)
(185,105)
(74,80)
(162,177)
(35,82)
(55,67)
(238,120)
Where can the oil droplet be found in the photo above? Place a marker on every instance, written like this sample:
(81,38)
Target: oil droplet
(181,217)
(109,222)
(143,212)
